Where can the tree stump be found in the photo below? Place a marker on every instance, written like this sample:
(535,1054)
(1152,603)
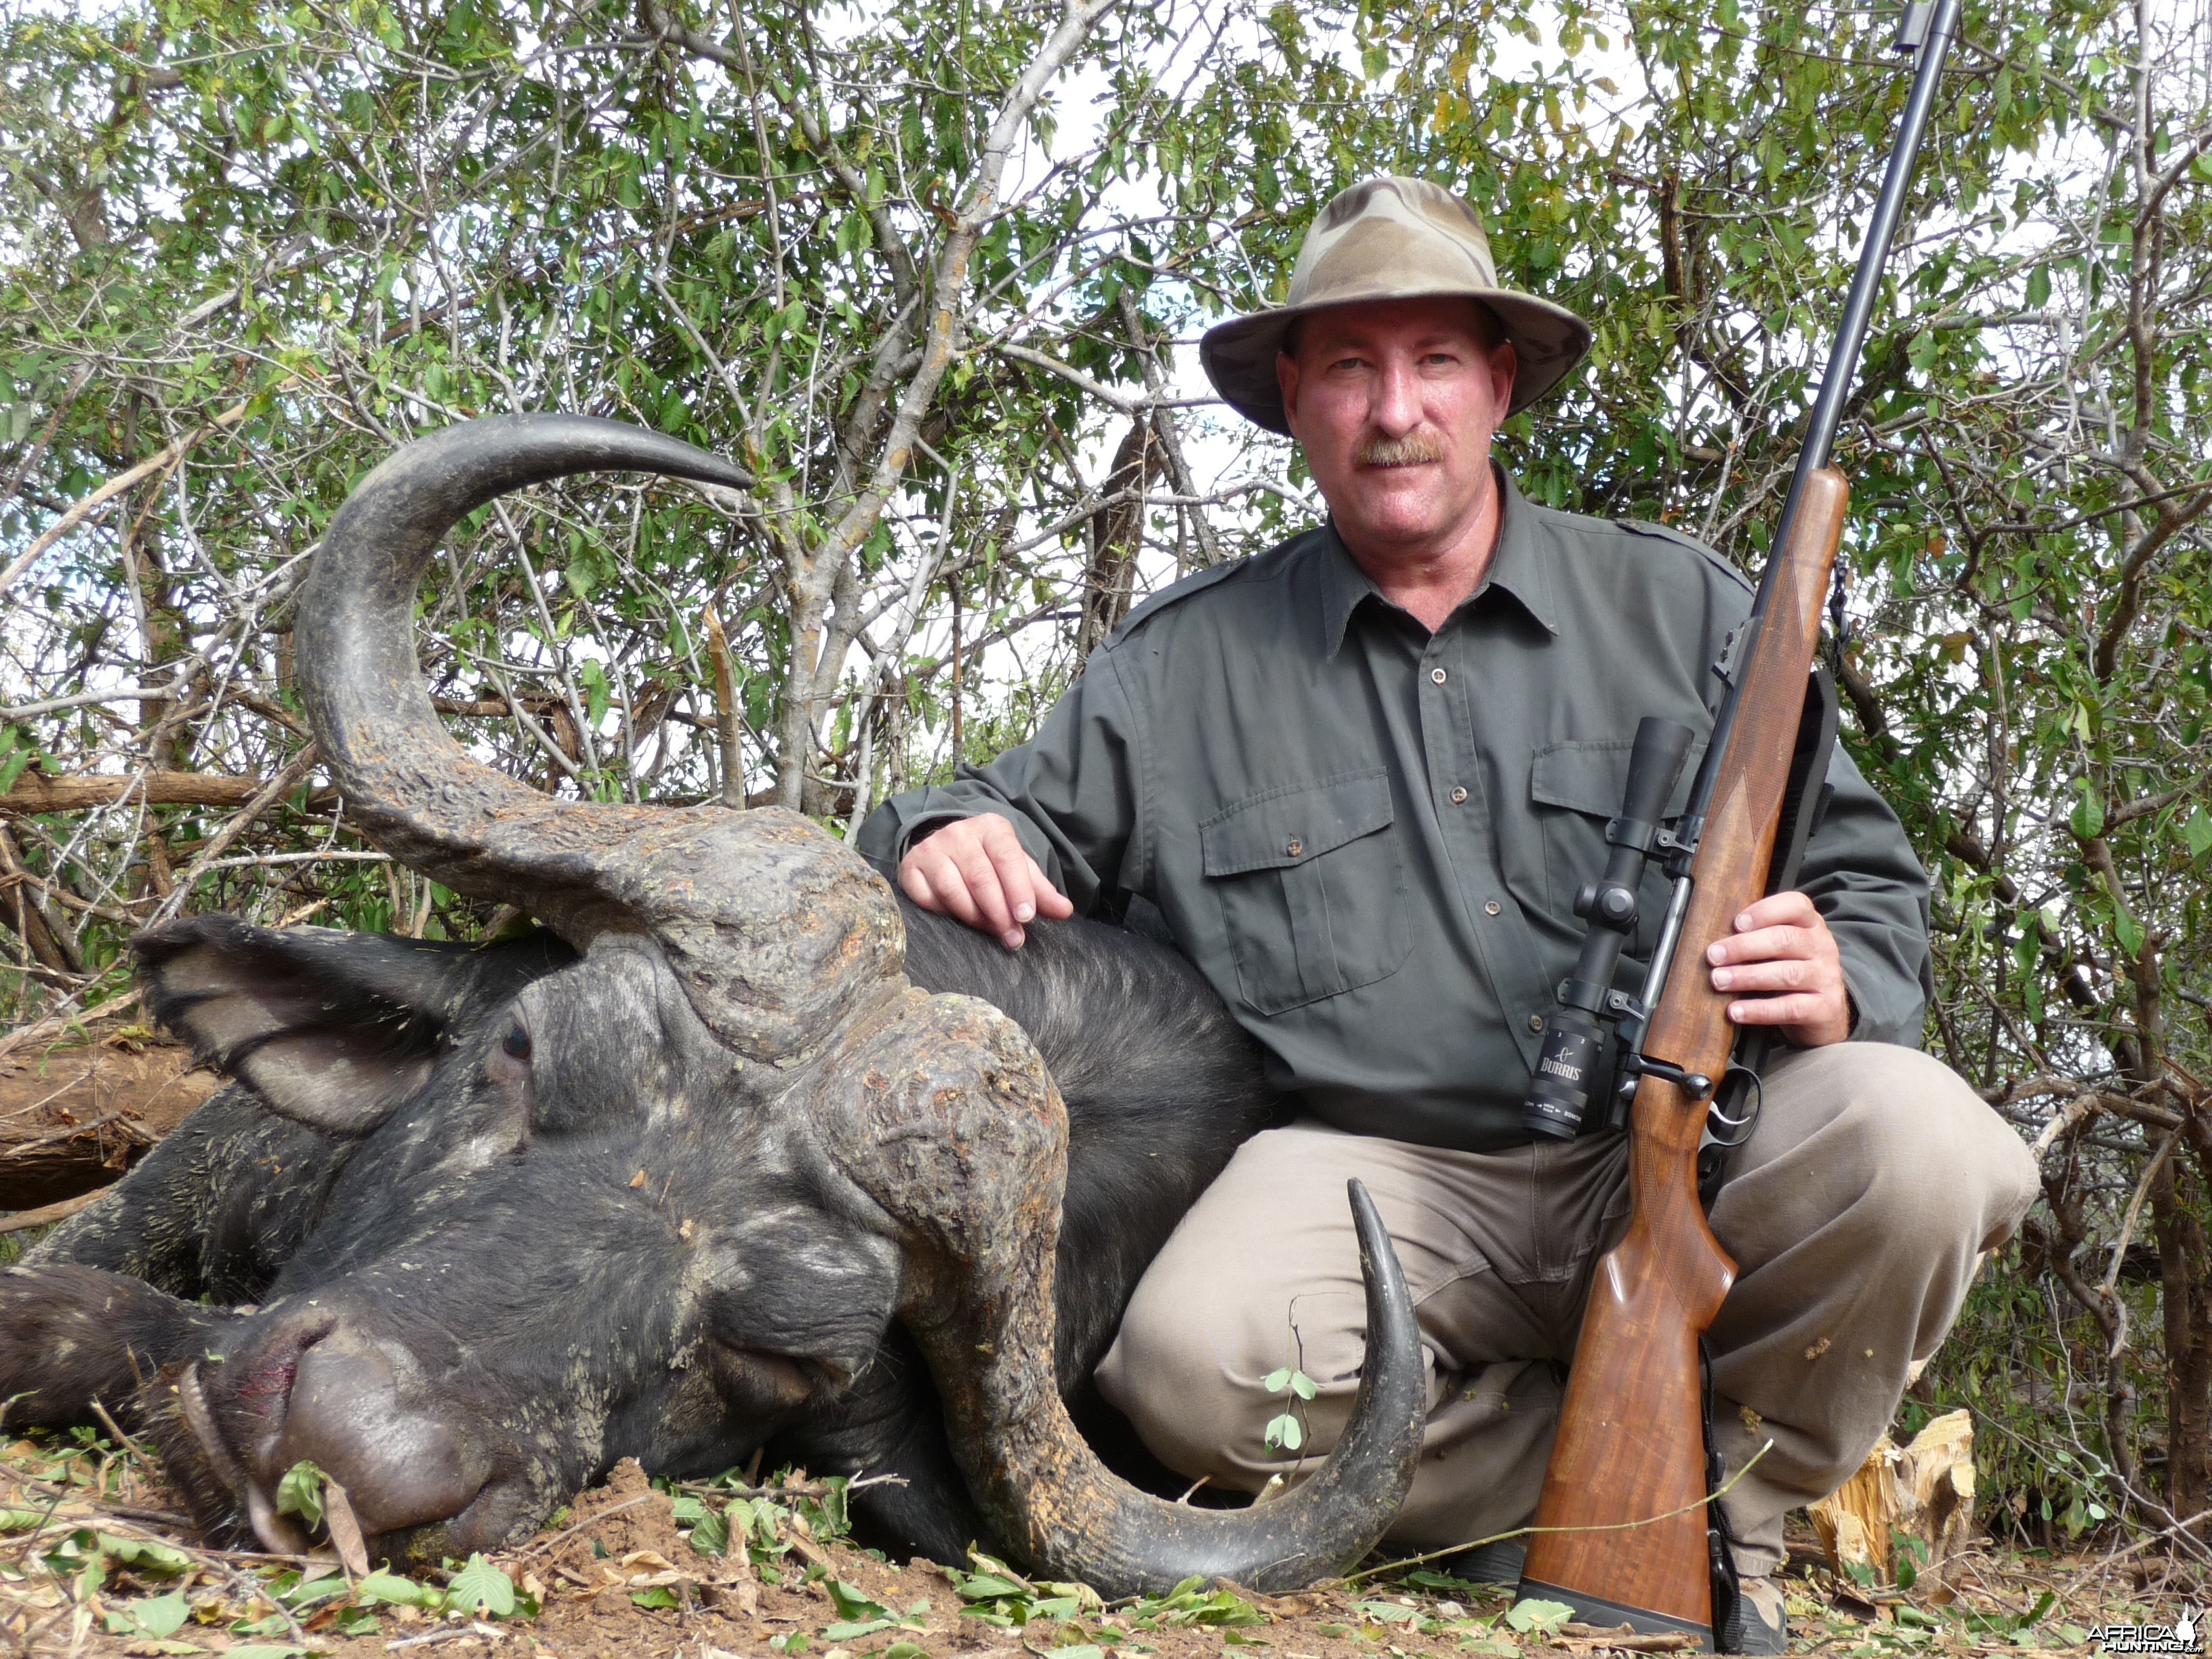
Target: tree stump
(1923,1492)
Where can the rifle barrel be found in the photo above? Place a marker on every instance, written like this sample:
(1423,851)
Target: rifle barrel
(1842,370)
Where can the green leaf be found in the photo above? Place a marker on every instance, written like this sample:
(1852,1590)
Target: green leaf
(2197,833)
(655,1595)
(391,1589)
(2088,819)
(16,752)
(854,1603)
(481,1587)
(598,693)
(987,1587)
(142,1555)
(1303,1386)
(158,1616)
(1286,1432)
(308,1591)
(853,1632)
(2038,287)
(1534,1614)
(2129,932)
(1276,1380)
(710,1535)
(300,1492)
(1388,1612)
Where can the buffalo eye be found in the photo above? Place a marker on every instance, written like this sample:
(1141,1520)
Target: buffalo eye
(508,1065)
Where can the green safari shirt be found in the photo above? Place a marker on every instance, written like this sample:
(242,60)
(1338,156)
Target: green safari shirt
(1368,837)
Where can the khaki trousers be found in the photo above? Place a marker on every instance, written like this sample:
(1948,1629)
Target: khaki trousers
(1855,1214)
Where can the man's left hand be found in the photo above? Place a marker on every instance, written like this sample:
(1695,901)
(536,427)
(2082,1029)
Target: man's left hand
(1783,952)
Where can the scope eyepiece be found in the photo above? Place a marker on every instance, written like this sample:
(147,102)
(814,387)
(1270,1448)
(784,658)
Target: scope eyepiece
(1566,1070)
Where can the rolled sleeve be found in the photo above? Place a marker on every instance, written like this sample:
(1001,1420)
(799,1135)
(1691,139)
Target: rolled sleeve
(1069,792)
(1861,873)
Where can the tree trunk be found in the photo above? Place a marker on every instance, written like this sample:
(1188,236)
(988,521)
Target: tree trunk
(1117,535)
(2185,1273)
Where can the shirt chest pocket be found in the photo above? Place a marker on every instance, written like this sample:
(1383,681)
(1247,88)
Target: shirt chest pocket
(1576,789)
(1312,887)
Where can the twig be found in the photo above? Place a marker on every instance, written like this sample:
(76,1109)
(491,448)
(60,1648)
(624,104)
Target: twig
(1719,1492)
(2075,1112)
(55,1023)
(23,711)
(2157,1537)
(160,461)
(282,784)
(70,1132)
(591,1520)
(472,1631)
(2135,1209)
(725,709)
(123,1436)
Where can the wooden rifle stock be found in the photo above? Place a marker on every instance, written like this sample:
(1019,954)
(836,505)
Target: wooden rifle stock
(1621,1526)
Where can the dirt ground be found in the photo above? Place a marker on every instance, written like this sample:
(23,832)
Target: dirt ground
(95,1561)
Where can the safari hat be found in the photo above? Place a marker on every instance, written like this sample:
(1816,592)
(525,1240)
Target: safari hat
(1391,239)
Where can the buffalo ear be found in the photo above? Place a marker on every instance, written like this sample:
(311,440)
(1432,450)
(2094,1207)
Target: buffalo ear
(333,1029)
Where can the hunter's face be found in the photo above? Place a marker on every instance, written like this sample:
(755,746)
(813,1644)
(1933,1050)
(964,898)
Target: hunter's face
(1395,402)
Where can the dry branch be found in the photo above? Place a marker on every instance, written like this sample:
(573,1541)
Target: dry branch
(35,793)
(46,1214)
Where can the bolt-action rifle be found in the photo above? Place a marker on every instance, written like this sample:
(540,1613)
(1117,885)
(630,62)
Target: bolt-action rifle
(1627,1526)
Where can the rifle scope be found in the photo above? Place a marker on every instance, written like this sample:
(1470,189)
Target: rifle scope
(1574,1039)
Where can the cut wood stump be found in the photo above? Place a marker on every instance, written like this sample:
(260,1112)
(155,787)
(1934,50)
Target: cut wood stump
(1925,1491)
(72,1119)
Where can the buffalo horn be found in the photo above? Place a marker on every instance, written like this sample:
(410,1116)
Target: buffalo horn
(945,1120)
(775,929)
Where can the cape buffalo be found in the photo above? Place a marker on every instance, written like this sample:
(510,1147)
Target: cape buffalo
(701,1168)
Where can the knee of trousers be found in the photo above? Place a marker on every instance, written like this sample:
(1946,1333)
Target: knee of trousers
(1896,1139)
(1188,1370)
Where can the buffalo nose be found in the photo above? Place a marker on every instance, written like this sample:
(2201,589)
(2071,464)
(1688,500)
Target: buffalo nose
(351,1415)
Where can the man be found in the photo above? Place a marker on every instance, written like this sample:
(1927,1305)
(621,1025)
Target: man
(1362,776)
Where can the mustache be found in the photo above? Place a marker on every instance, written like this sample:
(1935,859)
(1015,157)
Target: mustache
(1411,450)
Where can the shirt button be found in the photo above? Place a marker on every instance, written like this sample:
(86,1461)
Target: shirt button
(1459,796)
(1295,847)
(1535,1022)
(1492,907)
(1438,675)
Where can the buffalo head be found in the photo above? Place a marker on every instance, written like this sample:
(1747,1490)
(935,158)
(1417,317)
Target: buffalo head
(732,1043)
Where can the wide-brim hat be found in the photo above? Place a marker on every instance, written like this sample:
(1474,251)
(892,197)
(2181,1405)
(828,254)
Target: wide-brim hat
(1391,239)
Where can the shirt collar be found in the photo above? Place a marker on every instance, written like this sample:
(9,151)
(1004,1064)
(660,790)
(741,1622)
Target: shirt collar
(1517,568)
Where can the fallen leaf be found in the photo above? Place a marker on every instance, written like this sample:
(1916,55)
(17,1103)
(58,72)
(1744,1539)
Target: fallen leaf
(345,1529)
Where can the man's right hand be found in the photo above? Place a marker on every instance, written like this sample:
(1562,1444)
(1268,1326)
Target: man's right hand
(975,871)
